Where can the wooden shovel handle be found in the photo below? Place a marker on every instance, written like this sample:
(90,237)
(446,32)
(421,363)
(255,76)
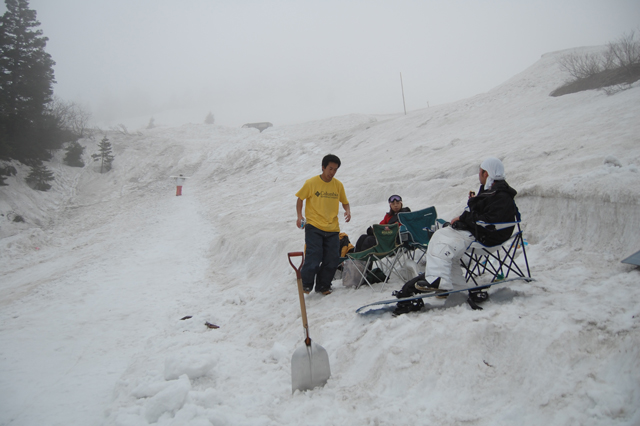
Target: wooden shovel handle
(303,307)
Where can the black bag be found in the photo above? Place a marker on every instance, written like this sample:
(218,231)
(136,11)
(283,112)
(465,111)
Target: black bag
(376,276)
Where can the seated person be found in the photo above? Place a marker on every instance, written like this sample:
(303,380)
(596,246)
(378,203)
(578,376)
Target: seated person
(494,203)
(368,240)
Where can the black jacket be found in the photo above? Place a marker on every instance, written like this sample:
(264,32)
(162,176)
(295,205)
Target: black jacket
(492,206)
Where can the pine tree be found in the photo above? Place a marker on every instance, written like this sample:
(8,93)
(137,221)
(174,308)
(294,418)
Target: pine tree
(104,155)
(26,80)
(39,176)
(73,157)
(209,119)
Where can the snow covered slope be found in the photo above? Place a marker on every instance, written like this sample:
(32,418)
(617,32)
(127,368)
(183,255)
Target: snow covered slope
(96,281)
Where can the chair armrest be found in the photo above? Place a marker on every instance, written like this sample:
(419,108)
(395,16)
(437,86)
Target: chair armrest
(500,225)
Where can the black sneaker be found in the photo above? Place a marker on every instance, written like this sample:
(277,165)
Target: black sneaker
(428,287)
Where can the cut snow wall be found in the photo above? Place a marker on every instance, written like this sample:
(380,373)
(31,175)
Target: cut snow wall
(588,225)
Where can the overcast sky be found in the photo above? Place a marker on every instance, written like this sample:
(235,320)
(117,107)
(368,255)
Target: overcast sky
(301,60)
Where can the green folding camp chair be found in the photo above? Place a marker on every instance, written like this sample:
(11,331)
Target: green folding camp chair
(383,254)
(419,226)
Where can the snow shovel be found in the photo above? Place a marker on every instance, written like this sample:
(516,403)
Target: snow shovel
(309,363)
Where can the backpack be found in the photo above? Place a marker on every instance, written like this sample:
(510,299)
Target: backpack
(376,276)
(345,245)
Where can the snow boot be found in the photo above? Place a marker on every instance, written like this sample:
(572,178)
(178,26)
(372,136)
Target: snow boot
(428,287)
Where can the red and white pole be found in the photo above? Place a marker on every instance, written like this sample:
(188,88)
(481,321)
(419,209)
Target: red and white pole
(179,182)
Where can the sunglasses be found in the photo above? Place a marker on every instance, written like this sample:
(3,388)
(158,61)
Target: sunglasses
(394,198)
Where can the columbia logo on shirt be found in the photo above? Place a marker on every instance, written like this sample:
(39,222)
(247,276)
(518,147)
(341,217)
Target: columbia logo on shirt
(325,194)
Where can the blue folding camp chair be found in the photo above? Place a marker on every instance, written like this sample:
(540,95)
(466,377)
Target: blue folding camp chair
(497,261)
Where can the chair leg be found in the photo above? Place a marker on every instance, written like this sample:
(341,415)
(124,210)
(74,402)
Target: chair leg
(499,264)
(524,251)
(389,271)
(524,254)
(369,263)
(397,263)
(510,256)
(472,266)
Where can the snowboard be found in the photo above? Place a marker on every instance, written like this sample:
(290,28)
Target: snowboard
(368,308)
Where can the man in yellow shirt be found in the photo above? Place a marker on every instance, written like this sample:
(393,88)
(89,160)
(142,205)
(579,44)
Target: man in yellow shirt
(321,233)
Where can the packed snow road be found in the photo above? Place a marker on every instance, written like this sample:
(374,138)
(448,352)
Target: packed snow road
(93,290)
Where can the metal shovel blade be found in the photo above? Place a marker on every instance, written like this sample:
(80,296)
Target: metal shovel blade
(309,367)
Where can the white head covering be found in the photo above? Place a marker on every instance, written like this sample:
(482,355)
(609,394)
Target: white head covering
(495,168)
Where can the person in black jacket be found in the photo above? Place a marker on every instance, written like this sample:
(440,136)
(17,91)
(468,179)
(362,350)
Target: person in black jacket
(493,204)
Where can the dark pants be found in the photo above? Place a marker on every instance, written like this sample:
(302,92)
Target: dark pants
(365,242)
(322,256)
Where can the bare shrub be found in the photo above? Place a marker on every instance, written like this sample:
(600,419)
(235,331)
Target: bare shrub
(582,66)
(612,90)
(71,116)
(624,52)
(613,70)
(122,129)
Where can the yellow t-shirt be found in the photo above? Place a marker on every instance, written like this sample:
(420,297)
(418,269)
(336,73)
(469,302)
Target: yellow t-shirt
(322,207)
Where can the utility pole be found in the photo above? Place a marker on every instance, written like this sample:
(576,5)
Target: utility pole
(402,87)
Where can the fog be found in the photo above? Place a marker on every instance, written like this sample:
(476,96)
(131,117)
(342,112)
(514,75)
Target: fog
(295,61)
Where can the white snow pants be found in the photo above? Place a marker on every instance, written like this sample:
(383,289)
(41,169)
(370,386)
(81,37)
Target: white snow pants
(445,249)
